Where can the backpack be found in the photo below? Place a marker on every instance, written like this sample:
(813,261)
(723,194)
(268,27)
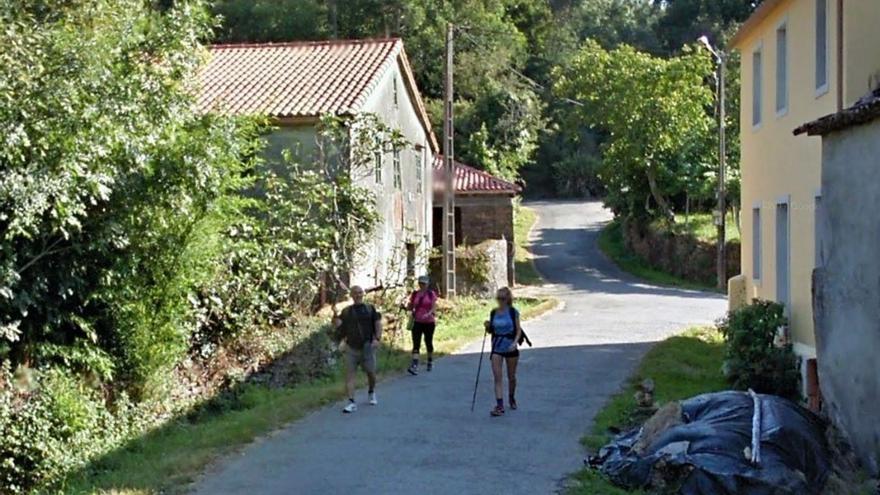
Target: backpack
(351,331)
(522,336)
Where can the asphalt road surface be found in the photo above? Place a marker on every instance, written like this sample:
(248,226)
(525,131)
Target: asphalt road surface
(422,438)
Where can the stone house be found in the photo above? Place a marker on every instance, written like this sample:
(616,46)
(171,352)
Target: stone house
(483,209)
(846,285)
(295,84)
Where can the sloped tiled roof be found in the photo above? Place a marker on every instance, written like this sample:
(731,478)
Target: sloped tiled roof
(469,180)
(866,110)
(302,79)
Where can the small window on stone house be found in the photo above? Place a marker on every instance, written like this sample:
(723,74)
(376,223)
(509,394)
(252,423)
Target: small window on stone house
(420,165)
(394,90)
(398,180)
(377,165)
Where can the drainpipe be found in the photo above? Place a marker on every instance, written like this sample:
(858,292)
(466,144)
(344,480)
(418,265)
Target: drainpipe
(840,39)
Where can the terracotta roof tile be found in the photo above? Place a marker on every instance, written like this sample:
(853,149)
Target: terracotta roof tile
(866,110)
(300,79)
(469,180)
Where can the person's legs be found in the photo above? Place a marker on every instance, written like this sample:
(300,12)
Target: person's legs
(370,367)
(351,361)
(512,362)
(497,362)
(429,343)
(417,346)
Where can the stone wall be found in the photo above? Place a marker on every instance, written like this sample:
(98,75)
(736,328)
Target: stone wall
(681,255)
(846,287)
(480,269)
(487,217)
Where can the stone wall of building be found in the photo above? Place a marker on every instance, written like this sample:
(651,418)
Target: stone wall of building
(487,217)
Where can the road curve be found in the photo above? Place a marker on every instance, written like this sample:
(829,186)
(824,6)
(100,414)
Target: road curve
(422,438)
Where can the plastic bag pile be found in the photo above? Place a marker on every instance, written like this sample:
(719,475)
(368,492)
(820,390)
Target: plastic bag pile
(732,443)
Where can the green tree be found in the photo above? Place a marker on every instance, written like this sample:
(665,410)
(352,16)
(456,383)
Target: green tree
(110,182)
(654,113)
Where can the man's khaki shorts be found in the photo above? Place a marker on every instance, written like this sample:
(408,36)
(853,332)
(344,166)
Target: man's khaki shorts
(365,356)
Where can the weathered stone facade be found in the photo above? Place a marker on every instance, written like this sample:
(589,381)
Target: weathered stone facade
(485,217)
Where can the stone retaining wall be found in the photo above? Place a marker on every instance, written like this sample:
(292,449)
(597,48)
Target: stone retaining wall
(681,255)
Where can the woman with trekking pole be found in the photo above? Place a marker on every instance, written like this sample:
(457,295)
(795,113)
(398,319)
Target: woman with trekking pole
(422,305)
(504,326)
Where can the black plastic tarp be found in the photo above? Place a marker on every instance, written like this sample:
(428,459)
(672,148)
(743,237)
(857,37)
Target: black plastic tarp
(711,450)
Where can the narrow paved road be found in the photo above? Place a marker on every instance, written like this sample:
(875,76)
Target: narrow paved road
(422,438)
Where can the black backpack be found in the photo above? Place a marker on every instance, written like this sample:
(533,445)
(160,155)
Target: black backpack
(522,337)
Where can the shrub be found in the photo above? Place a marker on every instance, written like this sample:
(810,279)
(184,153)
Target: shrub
(752,357)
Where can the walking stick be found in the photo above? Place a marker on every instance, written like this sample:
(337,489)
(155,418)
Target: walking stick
(479,367)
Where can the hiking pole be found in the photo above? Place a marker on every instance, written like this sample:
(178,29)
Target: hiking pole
(479,367)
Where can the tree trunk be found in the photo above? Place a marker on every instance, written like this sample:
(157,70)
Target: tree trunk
(658,198)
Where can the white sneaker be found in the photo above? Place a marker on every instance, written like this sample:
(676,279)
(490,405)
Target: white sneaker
(350,408)
(373,400)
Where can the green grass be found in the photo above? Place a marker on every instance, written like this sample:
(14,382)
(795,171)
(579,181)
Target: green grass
(611,243)
(702,226)
(524,265)
(172,456)
(681,366)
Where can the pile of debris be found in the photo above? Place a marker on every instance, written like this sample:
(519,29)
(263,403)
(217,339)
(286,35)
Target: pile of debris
(726,443)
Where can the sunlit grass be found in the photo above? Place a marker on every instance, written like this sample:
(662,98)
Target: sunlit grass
(524,266)
(702,226)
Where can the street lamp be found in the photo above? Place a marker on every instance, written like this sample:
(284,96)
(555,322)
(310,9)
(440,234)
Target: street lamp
(721,59)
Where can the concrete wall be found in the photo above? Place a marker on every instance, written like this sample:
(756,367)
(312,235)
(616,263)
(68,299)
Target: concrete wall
(861,54)
(485,217)
(847,293)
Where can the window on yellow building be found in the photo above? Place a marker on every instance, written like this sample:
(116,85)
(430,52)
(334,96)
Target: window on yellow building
(821,45)
(757,76)
(756,243)
(781,69)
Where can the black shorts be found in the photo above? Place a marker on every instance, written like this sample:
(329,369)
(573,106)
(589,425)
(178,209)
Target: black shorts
(509,354)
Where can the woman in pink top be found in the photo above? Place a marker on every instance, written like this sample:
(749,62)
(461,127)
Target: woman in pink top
(421,306)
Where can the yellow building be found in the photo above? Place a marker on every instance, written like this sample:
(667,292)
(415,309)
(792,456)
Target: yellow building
(801,60)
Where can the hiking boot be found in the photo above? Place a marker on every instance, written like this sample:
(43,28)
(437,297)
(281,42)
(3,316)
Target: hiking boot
(373,400)
(413,369)
(350,408)
(497,411)
(512,403)
(430,366)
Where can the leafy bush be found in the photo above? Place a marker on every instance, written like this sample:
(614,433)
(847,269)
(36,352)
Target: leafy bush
(577,176)
(51,423)
(753,358)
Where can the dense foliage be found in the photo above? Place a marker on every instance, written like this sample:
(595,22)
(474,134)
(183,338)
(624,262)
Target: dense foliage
(654,111)
(754,357)
(137,235)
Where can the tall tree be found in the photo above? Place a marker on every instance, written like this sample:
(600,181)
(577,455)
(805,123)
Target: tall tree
(654,114)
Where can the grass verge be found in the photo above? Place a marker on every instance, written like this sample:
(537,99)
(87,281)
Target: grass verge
(682,366)
(169,458)
(524,266)
(702,226)
(611,243)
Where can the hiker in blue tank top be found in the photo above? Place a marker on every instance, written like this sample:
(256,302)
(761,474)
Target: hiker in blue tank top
(506,332)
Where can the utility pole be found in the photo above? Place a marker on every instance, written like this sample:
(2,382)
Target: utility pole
(721,220)
(722,171)
(448,265)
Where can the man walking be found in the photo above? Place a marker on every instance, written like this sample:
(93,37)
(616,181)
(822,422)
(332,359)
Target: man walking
(360,327)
